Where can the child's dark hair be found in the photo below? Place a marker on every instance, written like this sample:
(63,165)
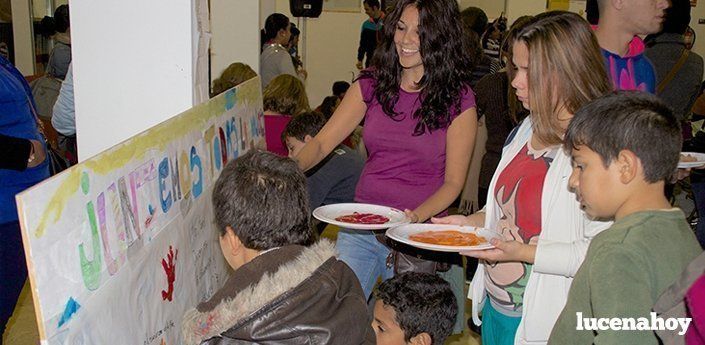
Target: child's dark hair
(340,87)
(328,106)
(423,302)
(629,120)
(308,123)
(263,198)
(59,23)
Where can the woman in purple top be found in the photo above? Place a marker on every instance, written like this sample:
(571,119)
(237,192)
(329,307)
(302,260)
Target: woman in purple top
(420,124)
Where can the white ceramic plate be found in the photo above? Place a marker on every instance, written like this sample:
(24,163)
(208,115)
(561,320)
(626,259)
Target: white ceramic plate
(402,233)
(328,213)
(699,162)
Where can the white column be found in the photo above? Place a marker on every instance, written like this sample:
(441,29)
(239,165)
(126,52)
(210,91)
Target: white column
(133,65)
(22,35)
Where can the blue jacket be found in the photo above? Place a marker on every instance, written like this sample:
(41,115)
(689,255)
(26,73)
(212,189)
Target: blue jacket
(17,120)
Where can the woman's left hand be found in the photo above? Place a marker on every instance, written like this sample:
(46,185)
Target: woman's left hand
(505,251)
(413,217)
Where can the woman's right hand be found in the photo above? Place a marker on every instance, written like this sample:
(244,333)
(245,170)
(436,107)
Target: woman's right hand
(475,219)
(39,154)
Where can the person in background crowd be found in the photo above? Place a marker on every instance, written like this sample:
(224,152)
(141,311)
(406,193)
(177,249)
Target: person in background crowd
(340,88)
(420,125)
(497,101)
(60,28)
(232,76)
(64,119)
(370,34)
(689,38)
(474,21)
(492,37)
(293,47)
(328,106)
(275,59)
(619,24)
(333,180)
(522,285)
(18,128)
(678,70)
(283,98)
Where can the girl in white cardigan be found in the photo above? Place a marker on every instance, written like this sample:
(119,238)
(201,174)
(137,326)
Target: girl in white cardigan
(523,283)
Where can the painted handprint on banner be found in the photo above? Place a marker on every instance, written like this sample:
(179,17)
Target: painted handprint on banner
(169,266)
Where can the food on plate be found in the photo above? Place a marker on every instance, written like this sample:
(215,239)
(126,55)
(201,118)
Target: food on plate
(687,158)
(448,238)
(363,218)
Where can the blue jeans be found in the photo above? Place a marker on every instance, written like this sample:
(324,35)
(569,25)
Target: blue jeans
(366,256)
(13,270)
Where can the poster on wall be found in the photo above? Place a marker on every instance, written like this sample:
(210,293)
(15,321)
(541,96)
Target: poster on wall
(121,245)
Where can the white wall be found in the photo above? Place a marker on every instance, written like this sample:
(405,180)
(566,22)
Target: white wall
(518,8)
(235,34)
(132,76)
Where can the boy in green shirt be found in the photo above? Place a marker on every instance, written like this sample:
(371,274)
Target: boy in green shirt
(624,147)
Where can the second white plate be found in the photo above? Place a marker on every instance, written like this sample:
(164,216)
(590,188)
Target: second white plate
(328,213)
(402,233)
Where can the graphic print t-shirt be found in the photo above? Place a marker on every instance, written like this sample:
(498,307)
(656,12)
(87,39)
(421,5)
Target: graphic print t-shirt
(518,195)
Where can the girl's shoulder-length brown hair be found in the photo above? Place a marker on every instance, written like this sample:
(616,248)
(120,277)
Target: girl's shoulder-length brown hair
(566,69)
(285,95)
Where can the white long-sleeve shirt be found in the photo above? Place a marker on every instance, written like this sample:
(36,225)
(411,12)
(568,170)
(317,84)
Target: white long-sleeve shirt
(64,112)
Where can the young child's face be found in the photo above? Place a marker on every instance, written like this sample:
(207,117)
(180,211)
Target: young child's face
(294,146)
(385,325)
(598,189)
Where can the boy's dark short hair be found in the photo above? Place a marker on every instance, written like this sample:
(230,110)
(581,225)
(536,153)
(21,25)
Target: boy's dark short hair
(372,3)
(328,106)
(308,123)
(629,120)
(263,198)
(340,87)
(423,302)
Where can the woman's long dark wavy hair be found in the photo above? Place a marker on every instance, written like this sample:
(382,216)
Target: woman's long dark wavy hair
(445,57)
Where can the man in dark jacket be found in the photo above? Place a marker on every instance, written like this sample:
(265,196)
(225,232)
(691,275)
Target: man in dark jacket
(371,32)
(284,290)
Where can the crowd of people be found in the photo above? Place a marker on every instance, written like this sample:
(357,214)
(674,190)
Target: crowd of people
(581,125)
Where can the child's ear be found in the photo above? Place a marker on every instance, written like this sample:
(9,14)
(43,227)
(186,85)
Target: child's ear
(629,166)
(233,243)
(307,138)
(421,339)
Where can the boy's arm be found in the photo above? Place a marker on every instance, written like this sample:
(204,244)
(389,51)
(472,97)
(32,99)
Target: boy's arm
(621,289)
